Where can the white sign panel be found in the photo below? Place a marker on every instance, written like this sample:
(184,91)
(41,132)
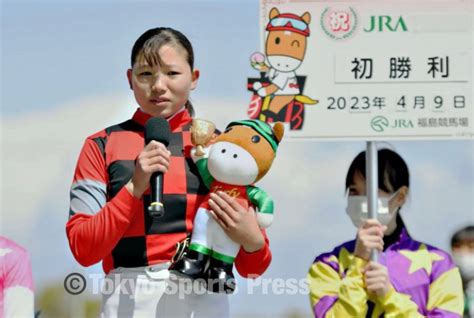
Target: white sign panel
(366,70)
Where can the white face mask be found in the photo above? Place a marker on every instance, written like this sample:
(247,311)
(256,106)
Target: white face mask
(358,209)
(465,263)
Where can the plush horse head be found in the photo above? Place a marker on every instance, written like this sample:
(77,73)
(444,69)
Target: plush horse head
(286,40)
(244,153)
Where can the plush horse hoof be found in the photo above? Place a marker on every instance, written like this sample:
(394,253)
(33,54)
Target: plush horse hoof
(192,265)
(220,278)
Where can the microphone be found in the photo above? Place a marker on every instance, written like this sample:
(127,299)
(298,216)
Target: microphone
(157,129)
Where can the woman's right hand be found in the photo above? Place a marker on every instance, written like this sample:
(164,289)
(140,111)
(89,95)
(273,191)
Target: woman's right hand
(369,237)
(155,157)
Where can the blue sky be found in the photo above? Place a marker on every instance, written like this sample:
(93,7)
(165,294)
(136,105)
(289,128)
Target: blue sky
(55,51)
(63,78)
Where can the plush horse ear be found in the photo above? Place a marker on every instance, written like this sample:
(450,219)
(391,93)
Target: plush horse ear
(279,131)
(306,17)
(274,12)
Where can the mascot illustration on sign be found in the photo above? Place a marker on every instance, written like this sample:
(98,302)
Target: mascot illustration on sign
(240,156)
(278,92)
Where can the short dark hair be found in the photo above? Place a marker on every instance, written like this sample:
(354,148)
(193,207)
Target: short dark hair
(150,42)
(462,235)
(392,170)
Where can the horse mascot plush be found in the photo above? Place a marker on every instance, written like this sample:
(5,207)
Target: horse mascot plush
(237,159)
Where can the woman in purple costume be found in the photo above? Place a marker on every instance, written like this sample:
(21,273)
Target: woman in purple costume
(410,279)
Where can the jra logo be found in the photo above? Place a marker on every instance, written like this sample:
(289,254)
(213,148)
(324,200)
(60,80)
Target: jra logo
(383,23)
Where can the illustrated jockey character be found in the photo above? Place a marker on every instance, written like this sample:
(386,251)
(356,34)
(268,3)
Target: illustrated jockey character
(285,49)
(240,156)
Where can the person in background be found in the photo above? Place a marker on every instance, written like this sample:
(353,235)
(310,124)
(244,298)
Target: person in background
(462,247)
(410,279)
(16,281)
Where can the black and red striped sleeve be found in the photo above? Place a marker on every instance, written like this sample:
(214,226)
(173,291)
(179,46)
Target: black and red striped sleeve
(95,225)
(252,265)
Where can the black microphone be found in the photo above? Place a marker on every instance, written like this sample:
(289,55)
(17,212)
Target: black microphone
(157,129)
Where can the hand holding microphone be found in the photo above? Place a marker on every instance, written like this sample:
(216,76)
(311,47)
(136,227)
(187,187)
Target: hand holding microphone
(152,162)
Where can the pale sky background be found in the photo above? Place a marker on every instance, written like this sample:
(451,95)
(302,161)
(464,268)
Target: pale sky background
(63,78)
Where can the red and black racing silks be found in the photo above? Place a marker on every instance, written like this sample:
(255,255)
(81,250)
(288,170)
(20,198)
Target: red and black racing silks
(108,223)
